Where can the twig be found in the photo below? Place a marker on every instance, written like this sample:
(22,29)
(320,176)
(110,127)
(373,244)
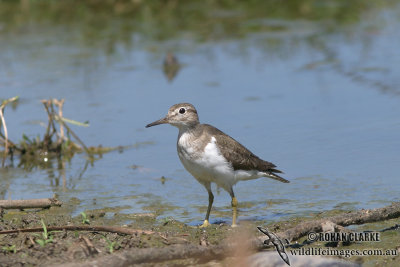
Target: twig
(3,122)
(111,229)
(29,203)
(59,119)
(91,249)
(355,217)
(49,105)
(60,104)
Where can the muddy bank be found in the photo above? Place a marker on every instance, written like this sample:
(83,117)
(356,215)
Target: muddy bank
(51,248)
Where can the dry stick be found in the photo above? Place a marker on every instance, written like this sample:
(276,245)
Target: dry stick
(60,104)
(29,203)
(89,245)
(53,114)
(174,252)
(10,143)
(3,122)
(73,134)
(119,230)
(47,104)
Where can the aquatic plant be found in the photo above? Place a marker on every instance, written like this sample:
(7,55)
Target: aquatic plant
(59,140)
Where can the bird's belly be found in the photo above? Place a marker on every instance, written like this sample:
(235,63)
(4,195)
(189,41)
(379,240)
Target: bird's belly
(207,170)
(221,173)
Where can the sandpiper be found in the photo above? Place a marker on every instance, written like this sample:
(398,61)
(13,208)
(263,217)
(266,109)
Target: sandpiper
(212,156)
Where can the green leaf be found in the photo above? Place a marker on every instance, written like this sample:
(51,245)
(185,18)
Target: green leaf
(84,124)
(9,248)
(45,235)
(26,138)
(85,220)
(40,242)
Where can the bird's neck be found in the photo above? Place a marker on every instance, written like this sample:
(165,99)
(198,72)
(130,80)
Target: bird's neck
(187,128)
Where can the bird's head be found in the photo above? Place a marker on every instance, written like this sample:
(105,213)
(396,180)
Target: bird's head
(183,115)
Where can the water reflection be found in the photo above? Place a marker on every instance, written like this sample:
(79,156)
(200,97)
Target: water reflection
(366,74)
(105,25)
(55,169)
(171,66)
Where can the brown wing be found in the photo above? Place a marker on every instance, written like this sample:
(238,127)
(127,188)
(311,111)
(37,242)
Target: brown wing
(240,156)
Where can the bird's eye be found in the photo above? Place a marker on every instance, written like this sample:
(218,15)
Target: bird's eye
(182,110)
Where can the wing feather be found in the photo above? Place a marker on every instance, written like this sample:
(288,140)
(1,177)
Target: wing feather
(240,157)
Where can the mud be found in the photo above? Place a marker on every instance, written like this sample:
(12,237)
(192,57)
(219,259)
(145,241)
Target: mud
(58,247)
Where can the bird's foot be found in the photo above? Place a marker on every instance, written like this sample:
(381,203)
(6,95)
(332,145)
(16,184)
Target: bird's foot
(234,225)
(205,224)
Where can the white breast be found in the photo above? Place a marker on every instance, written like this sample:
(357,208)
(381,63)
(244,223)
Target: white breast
(207,165)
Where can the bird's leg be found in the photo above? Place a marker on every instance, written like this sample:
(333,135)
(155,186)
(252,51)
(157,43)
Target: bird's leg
(210,202)
(234,208)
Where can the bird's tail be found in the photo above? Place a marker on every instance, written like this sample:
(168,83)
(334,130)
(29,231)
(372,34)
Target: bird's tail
(277,177)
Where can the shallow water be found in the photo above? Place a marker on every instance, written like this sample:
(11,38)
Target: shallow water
(319,98)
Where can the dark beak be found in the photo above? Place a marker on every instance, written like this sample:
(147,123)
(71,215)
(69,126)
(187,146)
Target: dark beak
(160,121)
